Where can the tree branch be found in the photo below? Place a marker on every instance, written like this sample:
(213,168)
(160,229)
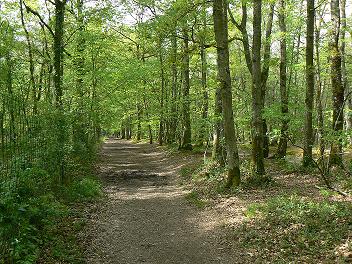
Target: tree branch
(30,10)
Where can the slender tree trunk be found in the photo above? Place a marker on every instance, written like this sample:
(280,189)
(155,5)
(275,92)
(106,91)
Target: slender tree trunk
(139,121)
(242,27)
(80,46)
(345,79)
(336,83)
(265,74)
(123,130)
(218,148)
(150,131)
(58,51)
(204,68)
(129,127)
(281,151)
(11,104)
(31,62)
(162,94)
(2,133)
(257,91)
(319,99)
(187,133)
(79,135)
(308,142)
(220,8)
(173,121)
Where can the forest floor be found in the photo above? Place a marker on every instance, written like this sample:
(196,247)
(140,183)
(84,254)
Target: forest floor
(145,217)
(154,213)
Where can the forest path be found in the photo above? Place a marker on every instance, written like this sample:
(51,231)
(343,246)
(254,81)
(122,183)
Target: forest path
(145,217)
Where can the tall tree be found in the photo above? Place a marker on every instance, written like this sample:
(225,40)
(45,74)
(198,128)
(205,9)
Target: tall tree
(319,84)
(220,8)
(174,90)
(204,68)
(281,151)
(80,138)
(242,27)
(257,91)
(336,83)
(162,93)
(308,134)
(187,132)
(31,61)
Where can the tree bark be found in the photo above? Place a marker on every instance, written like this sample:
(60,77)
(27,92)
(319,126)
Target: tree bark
(162,79)
(345,79)
(281,151)
(139,121)
(79,135)
(218,148)
(31,62)
(257,92)
(336,83)
(220,8)
(202,137)
(242,27)
(174,92)
(308,142)
(187,133)
(265,74)
(319,99)
(58,51)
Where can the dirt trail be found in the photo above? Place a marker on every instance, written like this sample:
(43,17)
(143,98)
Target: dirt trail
(145,217)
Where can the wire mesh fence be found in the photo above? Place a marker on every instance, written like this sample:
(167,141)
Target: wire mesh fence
(21,139)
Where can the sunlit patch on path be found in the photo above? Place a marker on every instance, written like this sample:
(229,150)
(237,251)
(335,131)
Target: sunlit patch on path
(145,217)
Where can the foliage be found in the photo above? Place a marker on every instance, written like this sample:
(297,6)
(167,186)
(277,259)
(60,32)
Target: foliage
(85,189)
(31,210)
(295,229)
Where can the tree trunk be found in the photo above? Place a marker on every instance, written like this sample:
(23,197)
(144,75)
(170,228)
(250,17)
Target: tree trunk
(336,83)
(281,151)
(31,62)
(139,121)
(187,133)
(345,80)
(123,130)
(173,116)
(265,75)
(218,148)
(220,8)
(58,74)
(128,128)
(162,79)
(79,135)
(257,92)
(319,104)
(308,133)
(58,51)
(202,137)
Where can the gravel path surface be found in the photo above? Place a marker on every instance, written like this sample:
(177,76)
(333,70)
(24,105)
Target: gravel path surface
(145,217)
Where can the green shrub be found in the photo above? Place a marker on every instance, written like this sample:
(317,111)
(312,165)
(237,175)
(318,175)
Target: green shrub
(84,189)
(28,208)
(31,211)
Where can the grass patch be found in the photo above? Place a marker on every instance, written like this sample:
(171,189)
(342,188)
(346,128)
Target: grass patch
(293,229)
(194,198)
(83,190)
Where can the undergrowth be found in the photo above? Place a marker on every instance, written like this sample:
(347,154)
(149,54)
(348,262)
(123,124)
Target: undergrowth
(297,230)
(209,179)
(34,213)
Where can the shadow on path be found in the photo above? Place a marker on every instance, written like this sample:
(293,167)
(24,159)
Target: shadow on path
(145,217)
